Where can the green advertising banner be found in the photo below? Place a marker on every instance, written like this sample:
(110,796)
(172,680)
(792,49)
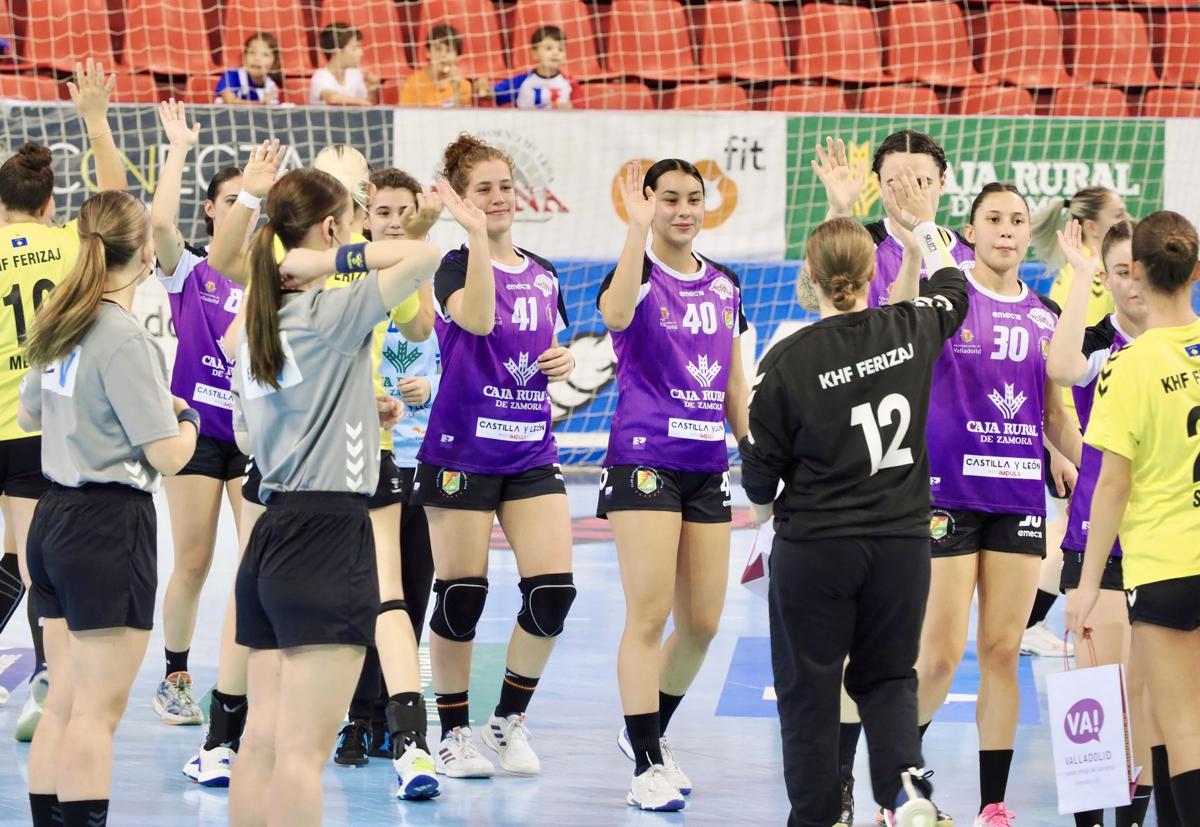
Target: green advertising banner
(1045,157)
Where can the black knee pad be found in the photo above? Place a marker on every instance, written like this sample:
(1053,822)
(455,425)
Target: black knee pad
(393,606)
(458,607)
(545,601)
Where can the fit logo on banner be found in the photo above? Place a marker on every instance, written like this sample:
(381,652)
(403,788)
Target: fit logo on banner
(1084,721)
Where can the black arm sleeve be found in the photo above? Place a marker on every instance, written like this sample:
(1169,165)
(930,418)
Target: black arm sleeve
(945,293)
(766,451)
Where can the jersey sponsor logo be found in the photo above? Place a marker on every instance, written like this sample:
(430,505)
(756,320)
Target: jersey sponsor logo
(645,481)
(665,319)
(210,286)
(941,525)
(514,285)
(695,429)
(723,287)
(1030,527)
(1006,314)
(403,357)
(60,377)
(966,343)
(1007,468)
(1041,317)
(966,335)
(1009,404)
(451,482)
(521,370)
(1193,351)
(446,439)
(639,442)
(217,397)
(505,431)
(690,293)
(703,372)
(544,284)
(20,241)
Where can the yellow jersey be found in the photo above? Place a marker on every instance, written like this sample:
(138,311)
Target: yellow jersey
(1100,304)
(34,258)
(1147,409)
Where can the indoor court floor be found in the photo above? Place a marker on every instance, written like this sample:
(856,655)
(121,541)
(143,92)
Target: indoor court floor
(725,735)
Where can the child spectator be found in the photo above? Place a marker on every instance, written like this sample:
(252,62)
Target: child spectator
(545,87)
(440,84)
(258,80)
(341,82)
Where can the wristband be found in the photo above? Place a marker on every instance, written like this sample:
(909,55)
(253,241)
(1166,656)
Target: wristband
(934,254)
(250,202)
(351,258)
(406,311)
(189,415)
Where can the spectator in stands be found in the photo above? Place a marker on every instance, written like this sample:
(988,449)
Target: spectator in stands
(258,81)
(543,87)
(341,82)
(441,83)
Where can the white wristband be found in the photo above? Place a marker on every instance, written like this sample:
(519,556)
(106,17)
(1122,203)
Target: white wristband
(250,202)
(934,254)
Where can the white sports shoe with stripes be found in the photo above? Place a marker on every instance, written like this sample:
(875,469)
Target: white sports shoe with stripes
(457,757)
(509,738)
(211,767)
(653,790)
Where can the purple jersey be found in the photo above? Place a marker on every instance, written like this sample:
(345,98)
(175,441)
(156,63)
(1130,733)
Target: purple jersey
(203,305)
(889,253)
(985,414)
(1099,341)
(492,412)
(673,368)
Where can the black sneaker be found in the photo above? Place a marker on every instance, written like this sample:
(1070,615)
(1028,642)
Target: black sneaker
(846,819)
(381,740)
(353,742)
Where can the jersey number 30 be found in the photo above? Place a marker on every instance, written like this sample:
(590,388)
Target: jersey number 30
(893,408)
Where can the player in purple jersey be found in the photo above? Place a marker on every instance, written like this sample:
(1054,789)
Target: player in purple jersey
(489,452)
(203,304)
(992,405)
(675,318)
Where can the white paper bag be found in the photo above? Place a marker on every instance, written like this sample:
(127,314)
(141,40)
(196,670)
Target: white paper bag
(756,574)
(1089,734)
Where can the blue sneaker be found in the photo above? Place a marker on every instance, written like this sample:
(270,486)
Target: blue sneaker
(353,742)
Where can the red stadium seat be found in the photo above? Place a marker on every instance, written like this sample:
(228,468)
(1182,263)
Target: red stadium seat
(383,53)
(901,100)
(727,97)
(1089,102)
(992,100)
(475,20)
(29,87)
(649,39)
(1024,47)
(132,88)
(1110,47)
(928,42)
(797,98)
(167,37)
(283,18)
(612,96)
(1171,103)
(60,32)
(7,32)
(575,20)
(837,42)
(201,89)
(1178,37)
(744,41)
(295,90)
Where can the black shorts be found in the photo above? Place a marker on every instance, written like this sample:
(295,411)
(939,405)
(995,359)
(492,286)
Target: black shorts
(957,531)
(308,575)
(215,458)
(251,480)
(440,487)
(407,475)
(1072,568)
(1173,603)
(21,468)
(93,554)
(390,489)
(701,497)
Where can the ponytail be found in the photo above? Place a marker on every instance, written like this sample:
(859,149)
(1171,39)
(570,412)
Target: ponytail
(262,309)
(1045,225)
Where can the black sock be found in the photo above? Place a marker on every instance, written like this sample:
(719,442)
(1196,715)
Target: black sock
(1134,815)
(85,813)
(176,661)
(407,721)
(1089,818)
(39,643)
(667,704)
(1041,607)
(454,710)
(12,588)
(515,694)
(643,737)
(226,720)
(848,735)
(993,775)
(1164,798)
(45,809)
(922,728)
(1185,787)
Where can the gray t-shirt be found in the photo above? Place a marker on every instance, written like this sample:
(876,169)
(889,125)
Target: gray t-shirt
(101,402)
(320,430)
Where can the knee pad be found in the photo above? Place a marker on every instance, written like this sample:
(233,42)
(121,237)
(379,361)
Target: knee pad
(545,601)
(458,607)
(393,606)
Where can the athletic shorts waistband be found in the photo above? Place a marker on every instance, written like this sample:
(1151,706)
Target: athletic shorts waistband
(338,502)
(100,489)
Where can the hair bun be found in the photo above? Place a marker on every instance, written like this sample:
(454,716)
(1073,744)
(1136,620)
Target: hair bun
(34,157)
(462,146)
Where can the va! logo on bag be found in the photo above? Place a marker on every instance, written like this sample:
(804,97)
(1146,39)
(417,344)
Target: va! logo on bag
(1084,721)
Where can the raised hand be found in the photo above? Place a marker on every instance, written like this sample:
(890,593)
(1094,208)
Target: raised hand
(470,217)
(174,124)
(910,199)
(843,185)
(419,221)
(898,229)
(639,201)
(263,167)
(1070,241)
(90,90)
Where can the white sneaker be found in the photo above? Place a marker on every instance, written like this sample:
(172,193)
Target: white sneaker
(458,758)
(174,702)
(510,740)
(1039,640)
(31,713)
(669,764)
(917,810)
(416,777)
(653,790)
(211,767)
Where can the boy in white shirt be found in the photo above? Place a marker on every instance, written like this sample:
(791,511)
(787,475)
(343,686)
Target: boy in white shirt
(543,87)
(341,82)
